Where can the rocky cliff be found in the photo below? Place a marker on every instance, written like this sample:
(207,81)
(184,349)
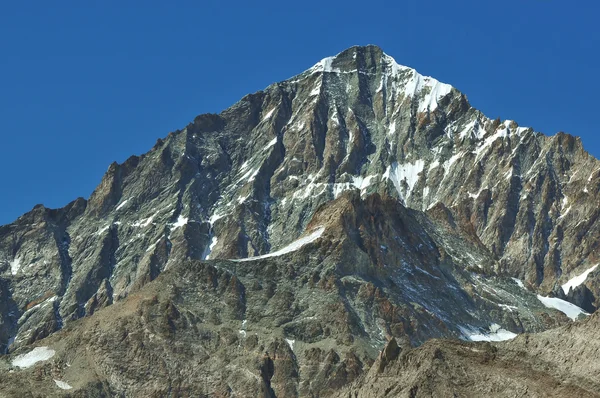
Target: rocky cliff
(276,247)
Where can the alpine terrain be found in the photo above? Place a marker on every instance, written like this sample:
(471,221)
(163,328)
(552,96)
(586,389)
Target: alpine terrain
(357,230)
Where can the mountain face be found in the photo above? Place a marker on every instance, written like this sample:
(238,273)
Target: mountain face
(275,248)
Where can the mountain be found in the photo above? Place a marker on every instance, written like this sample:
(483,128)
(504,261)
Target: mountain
(275,248)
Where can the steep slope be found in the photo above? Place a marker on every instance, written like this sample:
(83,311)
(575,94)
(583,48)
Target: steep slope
(455,204)
(304,321)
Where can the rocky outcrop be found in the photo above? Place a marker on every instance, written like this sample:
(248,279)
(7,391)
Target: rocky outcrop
(561,362)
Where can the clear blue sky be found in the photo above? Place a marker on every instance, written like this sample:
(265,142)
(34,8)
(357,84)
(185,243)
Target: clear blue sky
(84,83)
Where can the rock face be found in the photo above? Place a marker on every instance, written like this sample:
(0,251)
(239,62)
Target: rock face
(274,249)
(557,363)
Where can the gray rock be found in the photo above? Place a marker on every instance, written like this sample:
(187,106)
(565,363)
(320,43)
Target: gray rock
(429,209)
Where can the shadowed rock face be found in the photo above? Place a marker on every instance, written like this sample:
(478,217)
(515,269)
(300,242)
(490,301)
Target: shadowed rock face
(369,203)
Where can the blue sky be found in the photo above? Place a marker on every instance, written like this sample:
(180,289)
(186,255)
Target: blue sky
(83,84)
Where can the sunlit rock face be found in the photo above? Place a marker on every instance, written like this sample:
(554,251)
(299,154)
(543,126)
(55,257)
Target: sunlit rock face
(276,247)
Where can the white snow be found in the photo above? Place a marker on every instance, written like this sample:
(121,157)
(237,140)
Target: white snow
(392,128)
(123,203)
(564,213)
(465,131)
(570,310)
(316,90)
(476,195)
(181,221)
(268,115)
(519,283)
(362,182)
(152,246)
(144,222)
(500,133)
(296,245)
(15,264)
(425,192)
(448,163)
(249,175)
(216,216)
(291,343)
(213,243)
(38,354)
(509,308)
(358,182)
(102,230)
(62,385)
(270,144)
(41,305)
(578,280)
(242,331)
(408,172)
(438,91)
(495,333)
(324,65)
(416,85)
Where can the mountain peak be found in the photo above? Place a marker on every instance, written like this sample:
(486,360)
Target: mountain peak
(371,61)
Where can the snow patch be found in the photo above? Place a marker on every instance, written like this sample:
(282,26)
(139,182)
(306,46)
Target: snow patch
(270,144)
(325,65)
(123,203)
(144,222)
(578,280)
(564,213)
(519,283)
(476,195)
(392,128)
(102,230)
(62,385)
(362,182)
(15,264)
(296,245)
(290,343)
(448,163)
(181,221)
(213,243)
(250,175)
(41,305)
(268,115)
(570,310)
(409,173)
(38,354)
(216,216)
(494,333)
(316,90)
(499,134)
(468,128)
(509,308)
